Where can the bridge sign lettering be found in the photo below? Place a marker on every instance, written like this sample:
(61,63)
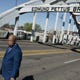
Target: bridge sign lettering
(56,9)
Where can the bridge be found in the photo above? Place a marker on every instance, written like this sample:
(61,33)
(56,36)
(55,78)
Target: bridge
(41,62)
(36,6)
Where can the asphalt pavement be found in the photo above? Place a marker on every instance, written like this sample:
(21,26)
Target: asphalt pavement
(50,67)
(65,66)
(25,45)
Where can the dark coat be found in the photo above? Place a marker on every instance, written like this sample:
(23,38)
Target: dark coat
(11,62)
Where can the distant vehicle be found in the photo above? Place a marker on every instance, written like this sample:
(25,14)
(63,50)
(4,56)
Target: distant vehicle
(28,35)
(25,35)
(21,34)
(4,34)
(39,37)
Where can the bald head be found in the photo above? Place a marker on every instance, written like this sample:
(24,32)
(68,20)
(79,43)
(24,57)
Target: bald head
(12,40)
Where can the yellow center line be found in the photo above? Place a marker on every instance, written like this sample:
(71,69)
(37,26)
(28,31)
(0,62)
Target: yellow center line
(44,53)
(40,52)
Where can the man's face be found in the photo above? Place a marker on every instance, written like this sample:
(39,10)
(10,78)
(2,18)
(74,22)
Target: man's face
(10,41)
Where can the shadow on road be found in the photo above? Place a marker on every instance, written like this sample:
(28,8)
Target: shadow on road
(75,50)
(28,78)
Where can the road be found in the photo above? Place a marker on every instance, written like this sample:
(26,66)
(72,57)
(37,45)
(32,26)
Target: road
(25,45)
(51,66)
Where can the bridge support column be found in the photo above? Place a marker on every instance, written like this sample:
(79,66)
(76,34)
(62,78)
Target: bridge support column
(74,27)
(33,27)
(16,25)
(54,34)
(69,25)
(62,32)
(46,25)
(70,37)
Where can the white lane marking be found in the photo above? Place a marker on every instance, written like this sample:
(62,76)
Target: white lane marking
(72,61)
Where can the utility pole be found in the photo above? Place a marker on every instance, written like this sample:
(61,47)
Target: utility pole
(16,3)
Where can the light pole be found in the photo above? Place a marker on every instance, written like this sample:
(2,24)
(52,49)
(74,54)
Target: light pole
(16,3)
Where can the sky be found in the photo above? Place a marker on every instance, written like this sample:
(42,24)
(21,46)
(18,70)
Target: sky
(41,17)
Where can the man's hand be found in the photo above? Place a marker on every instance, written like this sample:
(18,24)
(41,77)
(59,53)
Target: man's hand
(1,71)
(12,79)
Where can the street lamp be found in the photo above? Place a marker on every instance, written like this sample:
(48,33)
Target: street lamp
(16,2)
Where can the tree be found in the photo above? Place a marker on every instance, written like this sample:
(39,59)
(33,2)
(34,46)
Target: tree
(37,27)
(6,26)
(43,0)
(28,27)
(64,0)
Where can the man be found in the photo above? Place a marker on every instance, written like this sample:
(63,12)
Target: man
(12,60)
